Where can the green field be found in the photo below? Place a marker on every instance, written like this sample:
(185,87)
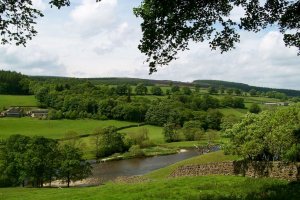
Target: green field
(187,188)
(52,128)
(154,132)
(233,111)
(16,100)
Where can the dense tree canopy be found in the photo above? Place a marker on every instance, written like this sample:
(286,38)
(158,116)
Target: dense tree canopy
(270,135)
(38,160)
(13,83)
(169,26)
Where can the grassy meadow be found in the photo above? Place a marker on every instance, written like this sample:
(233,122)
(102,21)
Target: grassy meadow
(17,100)
(53,128)
(191,188)
(154,132)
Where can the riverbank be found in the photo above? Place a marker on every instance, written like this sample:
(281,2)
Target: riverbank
(161,151)
(121,170)
(158,185)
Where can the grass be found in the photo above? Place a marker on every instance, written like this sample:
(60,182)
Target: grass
(233,111)
(52,128)
(206,158)
(154,132)
(191,188)
(17,100)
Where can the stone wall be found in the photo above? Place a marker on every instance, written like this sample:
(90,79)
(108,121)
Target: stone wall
(278,170)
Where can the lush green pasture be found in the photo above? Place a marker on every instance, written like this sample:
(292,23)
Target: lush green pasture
(191,188)
(52,128)
(233,111)
(16,100)
(154,132)
(206,158)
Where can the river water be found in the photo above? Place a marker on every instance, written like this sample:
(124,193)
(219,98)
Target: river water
(110,170)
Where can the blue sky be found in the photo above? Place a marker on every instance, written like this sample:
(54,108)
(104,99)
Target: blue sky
(90,39)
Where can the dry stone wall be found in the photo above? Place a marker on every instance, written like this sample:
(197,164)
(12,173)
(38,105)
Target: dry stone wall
(280,170)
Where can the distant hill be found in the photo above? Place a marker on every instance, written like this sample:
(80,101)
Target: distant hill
(115,80)
(135,81)
(244,87)
(150,82)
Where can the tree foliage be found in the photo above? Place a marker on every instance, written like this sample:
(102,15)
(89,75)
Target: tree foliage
(169,26)
(72,166)
(141,89)
(193,130)
(254,108)
(109,141)
(38,160)
(156,90)
(268,136)
(13,83)
(170,132)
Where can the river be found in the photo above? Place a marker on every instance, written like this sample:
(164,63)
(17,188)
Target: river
(110,170)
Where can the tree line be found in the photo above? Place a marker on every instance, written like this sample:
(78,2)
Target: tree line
(13,83)
(85,100)
(245,88)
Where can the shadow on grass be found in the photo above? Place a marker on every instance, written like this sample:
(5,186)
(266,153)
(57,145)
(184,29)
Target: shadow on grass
(290,191)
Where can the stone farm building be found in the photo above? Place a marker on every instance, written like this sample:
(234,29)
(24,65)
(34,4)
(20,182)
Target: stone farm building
(277,104)
(13,112)
(39,113)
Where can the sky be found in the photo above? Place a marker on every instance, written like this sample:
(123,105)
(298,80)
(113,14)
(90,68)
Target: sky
(90,39)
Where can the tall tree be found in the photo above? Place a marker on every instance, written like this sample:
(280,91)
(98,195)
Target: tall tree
(13,159)
(72,166)
(41,157)
(156,90)
(170,132)
(141,89)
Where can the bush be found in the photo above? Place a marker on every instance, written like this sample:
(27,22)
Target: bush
(171,133)
(109,141)
(141,138)
(136,151)
(254,108)
(191,129)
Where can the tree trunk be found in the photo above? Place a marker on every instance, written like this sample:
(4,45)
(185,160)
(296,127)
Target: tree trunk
(68,181)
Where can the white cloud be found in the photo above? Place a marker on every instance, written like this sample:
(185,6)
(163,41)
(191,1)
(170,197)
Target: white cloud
(260,60)
(90,16)
(272,47)
(116,38)
(35,61)
(92,39)
(39,4)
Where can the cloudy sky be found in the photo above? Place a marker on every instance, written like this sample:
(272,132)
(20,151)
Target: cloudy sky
(90,39)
